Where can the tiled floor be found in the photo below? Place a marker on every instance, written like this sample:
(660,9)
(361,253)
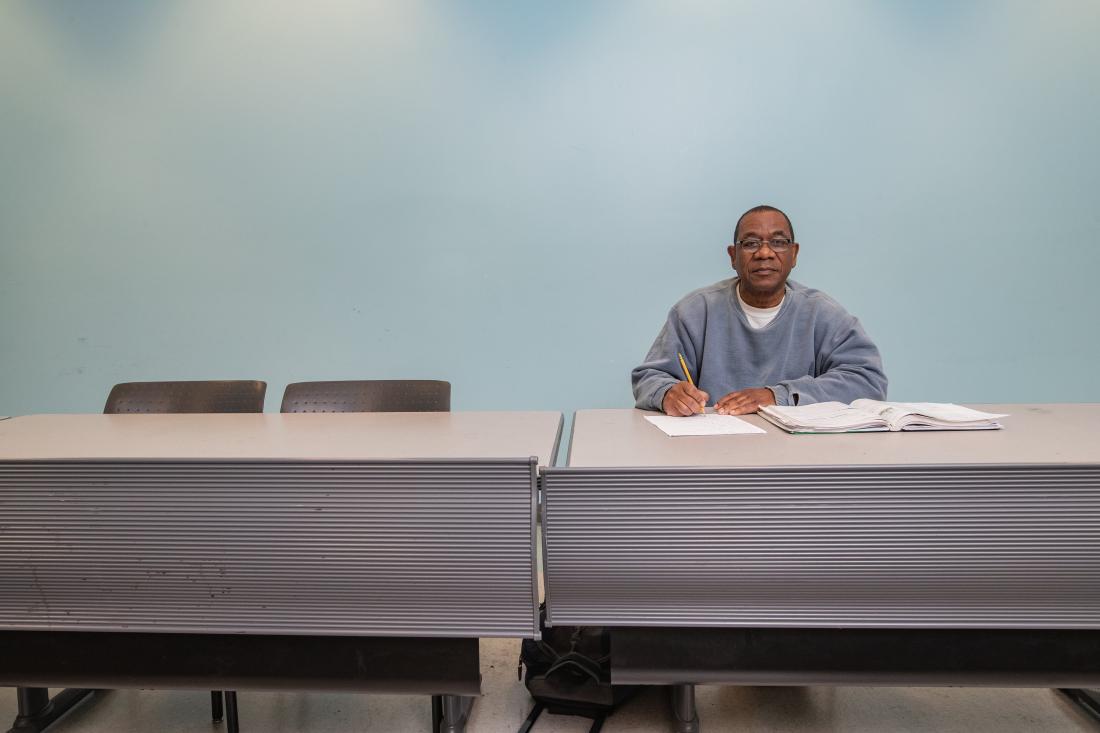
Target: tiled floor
(505,704)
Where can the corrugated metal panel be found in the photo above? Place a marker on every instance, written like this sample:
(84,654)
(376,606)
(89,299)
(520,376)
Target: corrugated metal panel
(378,548)
(867,546)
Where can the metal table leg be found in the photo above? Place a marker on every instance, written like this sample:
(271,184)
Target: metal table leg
(37,710)
(685,719)
(437,712)
(456,711)
(231,725)
(1087,700)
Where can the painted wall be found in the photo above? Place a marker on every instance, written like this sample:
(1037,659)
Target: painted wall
(511,195)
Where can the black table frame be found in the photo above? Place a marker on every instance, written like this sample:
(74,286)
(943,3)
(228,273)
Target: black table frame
(684,657)
(447,669)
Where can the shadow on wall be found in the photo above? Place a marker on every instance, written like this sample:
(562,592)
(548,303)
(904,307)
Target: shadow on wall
(103,36)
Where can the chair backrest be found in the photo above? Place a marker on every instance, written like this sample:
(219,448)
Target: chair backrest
(193,396)
(371,395)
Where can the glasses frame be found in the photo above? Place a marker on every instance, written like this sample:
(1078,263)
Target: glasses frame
(761,242)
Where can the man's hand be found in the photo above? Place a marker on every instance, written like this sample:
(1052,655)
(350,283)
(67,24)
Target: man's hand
(744,401)
(683,399)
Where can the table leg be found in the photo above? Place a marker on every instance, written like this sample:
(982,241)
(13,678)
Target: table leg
(437,712)
(456,711)
(231,724)
(684,717)
(1087,700)
(216,708)
(37,710)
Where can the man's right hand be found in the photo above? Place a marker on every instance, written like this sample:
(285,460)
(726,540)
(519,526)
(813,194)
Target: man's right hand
(682,399)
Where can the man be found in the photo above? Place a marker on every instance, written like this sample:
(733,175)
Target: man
(757,339)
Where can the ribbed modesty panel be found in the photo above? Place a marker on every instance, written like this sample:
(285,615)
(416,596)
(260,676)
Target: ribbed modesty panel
(858,546)
(381,548)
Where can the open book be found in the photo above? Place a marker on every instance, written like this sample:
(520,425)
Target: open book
(875,416)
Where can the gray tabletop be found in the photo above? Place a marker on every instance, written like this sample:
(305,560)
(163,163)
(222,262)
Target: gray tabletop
(1033,433)
(313,436)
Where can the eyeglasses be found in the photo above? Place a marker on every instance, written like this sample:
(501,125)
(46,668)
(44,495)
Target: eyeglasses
(778,245)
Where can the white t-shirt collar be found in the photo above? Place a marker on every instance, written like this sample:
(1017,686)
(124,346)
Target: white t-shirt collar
(759,317)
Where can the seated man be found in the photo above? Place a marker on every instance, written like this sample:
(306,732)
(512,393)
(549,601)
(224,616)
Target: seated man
(758,339)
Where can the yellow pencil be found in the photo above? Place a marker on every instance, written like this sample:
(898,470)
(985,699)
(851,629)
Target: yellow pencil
(684,366)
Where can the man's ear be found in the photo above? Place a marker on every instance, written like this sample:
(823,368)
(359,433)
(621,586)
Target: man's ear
(732,249)
(794,254)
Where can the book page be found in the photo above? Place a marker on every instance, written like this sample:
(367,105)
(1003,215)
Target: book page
(947,414)
(708,424)
(824,417)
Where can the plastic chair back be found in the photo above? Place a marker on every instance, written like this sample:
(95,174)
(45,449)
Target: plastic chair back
(373,395)
(191,396)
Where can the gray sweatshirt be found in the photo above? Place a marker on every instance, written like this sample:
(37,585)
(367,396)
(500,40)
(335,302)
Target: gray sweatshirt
(812,351)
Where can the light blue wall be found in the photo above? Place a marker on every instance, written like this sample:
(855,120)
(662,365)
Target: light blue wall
(511,195)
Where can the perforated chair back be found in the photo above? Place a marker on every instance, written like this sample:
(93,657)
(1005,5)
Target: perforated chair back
(192,396)
(371,395)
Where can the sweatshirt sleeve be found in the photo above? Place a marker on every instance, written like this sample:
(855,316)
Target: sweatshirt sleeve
(850,369)
(661,369)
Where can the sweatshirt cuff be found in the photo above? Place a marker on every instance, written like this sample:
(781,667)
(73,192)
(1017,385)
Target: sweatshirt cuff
(659,396)
(782,394)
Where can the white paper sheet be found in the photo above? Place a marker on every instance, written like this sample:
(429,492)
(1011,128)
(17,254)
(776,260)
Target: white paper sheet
(708,424)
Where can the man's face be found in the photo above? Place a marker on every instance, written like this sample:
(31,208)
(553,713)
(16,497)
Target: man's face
(763,272)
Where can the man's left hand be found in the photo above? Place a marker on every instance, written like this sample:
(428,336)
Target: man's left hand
(745,401)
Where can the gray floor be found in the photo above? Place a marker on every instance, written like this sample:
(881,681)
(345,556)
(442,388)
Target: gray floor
(505,704)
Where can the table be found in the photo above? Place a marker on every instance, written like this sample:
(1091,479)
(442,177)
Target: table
(889,558)
(246,551)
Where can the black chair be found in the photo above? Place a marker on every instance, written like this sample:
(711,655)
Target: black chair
(374,395)
(195,396)
(35,706)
